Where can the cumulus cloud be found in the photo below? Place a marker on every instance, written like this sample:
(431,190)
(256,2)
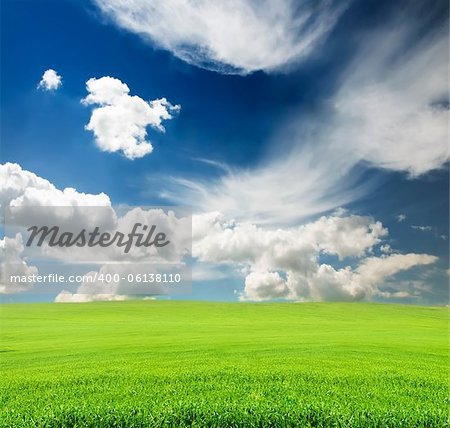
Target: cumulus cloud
(325,283)
(25,197)
(265,286)
(217,240)
(22,187)
(175,226)
(290,263)
(28,199)
(286,263)
(50,81)
(348,236)
(12,263)
(238,36)
(389,111)
(120,120)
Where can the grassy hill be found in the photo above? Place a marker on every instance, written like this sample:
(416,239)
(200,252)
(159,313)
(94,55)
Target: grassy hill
(171,364)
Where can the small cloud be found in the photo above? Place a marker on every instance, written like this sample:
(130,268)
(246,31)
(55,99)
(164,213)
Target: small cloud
(444,237)
(422,228)
(401,217)
(50,81)
(219,165)
(386,249)
(119,121)
(68,297)
(340,212)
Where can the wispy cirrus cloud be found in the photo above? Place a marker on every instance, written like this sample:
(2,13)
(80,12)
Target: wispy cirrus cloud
(392,106)
(389,112)
(279,192)
(238,36)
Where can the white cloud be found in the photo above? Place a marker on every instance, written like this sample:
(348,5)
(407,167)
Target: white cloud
(280,191)
(348,236)
(176,226)
(19,187)
(218,240)
(285,263)
(265,286)
(26,192)
(374,269)
(26,199)
(391,107)
(401,218)
(95,288)
(422,228)
(119,122)
(50,81)
(68,297)
(386,249)
(237,36)
(12,263)
(326,283)
(277,263)
(28,195)
(388,112)
(14,181)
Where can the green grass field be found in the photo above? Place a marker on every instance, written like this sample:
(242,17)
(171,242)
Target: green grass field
(177,364)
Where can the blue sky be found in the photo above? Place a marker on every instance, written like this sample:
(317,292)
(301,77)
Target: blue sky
(264,130)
